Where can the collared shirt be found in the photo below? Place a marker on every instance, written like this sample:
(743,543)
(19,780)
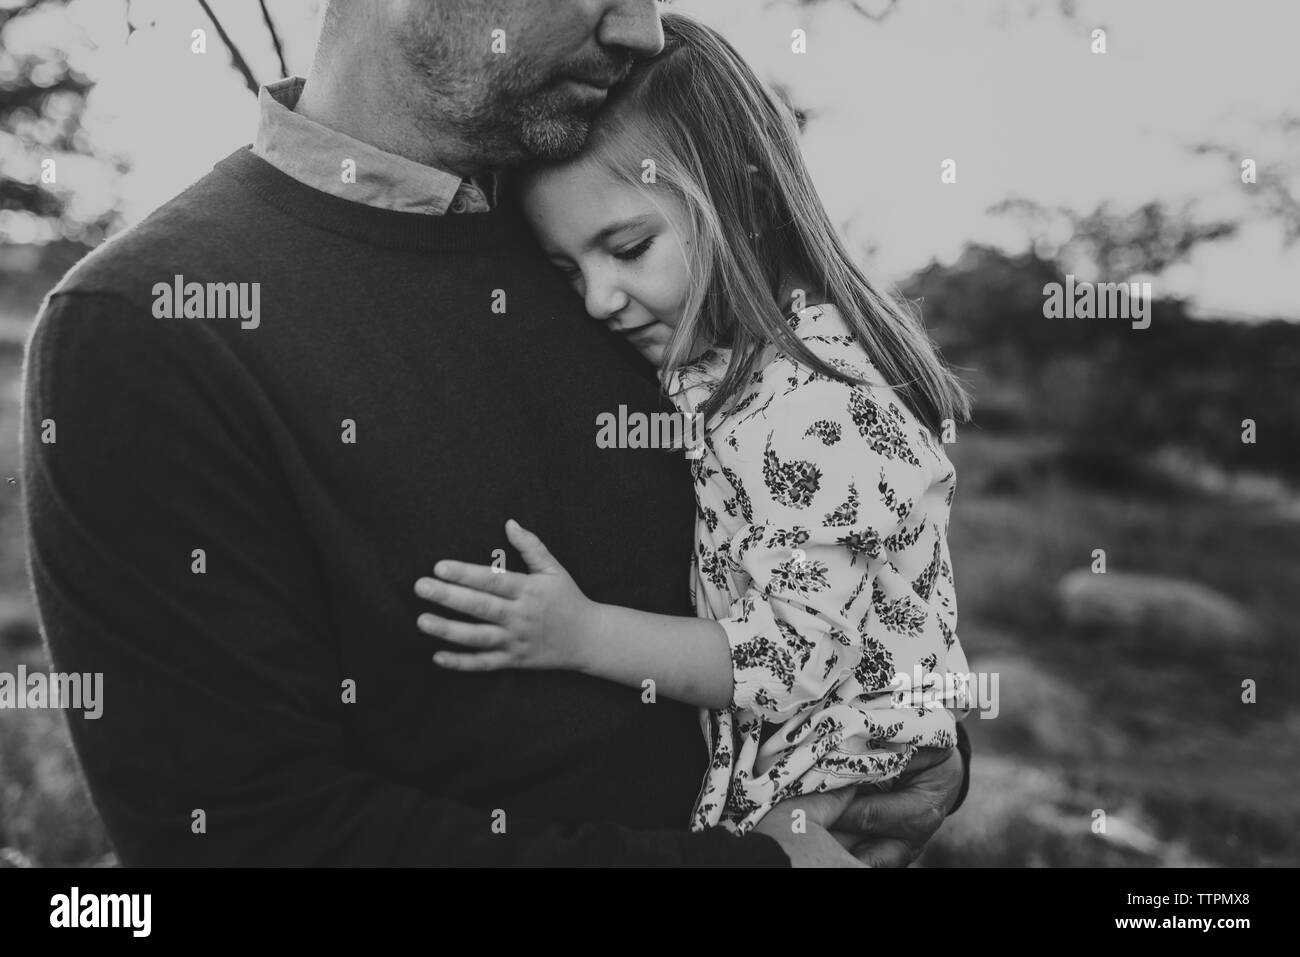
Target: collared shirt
(335,163)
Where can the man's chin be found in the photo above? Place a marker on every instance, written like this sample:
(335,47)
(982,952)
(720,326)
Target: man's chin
(556,137)
(557,120)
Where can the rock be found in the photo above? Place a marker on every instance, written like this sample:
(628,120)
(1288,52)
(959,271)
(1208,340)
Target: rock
(1155,608)
(1035,710)
(12,857)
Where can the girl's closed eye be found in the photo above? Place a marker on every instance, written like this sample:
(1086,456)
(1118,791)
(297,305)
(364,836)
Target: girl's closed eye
(633,253)
(630,254)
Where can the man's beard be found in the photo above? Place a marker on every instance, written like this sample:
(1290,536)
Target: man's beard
(549,133)
(545,119)
(504,124)
(505,109)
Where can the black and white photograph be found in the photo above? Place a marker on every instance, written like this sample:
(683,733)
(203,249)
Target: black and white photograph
(625,434)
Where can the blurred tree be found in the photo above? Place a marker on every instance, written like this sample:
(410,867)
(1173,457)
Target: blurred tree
(43,93)
(1106,245)
(1277,183)
(42,97)
(1106,391)
(877,10)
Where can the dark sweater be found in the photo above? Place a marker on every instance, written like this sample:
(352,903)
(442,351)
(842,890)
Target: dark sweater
(226,673)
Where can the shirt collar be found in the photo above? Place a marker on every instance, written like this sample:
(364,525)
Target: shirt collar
(335,163)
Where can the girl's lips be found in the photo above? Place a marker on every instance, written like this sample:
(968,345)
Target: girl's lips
(641,333)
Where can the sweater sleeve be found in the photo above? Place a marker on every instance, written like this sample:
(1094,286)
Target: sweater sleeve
(167,553)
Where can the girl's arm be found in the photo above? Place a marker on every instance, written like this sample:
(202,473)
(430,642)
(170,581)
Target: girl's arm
(543,620)
(688,658)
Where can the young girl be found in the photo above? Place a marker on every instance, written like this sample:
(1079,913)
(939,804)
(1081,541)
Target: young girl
(821,574)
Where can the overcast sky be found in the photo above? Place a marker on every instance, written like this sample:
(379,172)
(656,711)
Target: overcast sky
(1007,88)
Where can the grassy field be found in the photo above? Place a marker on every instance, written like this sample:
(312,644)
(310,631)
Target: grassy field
(1154,736)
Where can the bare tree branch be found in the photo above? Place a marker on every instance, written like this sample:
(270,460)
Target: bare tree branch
(878,16)
(857,6)
(11,11)
(236,57)
(1272,191)
(275,37)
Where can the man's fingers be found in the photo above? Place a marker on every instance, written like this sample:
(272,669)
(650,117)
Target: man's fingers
(943,780)
(913,810)
(926,758)
(909,814)
(847,839)
(813,847)
(884,852)
(822,808)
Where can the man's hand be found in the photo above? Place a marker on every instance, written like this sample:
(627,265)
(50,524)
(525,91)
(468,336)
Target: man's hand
(890,829)
(815,846)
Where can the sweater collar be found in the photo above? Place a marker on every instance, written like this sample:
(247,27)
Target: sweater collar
(373,225)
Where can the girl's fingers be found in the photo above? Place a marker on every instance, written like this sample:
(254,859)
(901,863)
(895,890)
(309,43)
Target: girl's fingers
(535,554)
(466,633)
(503,584)
(469,601)
(488,661)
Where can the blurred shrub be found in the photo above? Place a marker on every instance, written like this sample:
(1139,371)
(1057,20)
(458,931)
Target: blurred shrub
(1098,383)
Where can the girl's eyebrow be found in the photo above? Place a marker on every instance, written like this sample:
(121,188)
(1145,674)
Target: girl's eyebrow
(612,229)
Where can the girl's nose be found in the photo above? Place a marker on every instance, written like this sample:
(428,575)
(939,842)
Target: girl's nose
(604,299)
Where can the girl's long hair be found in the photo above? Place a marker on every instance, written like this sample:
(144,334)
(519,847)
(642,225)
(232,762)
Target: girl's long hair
(726,148)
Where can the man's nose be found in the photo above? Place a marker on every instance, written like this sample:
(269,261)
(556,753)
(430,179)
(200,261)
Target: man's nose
(633,24)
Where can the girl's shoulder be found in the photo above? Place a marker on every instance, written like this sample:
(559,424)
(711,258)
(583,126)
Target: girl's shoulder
(823,331)
(778,375)
(826,333)
(794,404)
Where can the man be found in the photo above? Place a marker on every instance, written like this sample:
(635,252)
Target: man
(255,419)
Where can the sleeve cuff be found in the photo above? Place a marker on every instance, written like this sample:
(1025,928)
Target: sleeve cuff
(963,748)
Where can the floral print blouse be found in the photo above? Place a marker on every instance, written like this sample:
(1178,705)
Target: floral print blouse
(821,550)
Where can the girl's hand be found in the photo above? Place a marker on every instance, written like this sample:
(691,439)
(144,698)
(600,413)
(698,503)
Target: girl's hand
(537,620)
